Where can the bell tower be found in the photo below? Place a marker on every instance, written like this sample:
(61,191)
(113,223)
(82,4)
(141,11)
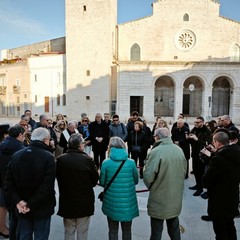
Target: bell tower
(90,46)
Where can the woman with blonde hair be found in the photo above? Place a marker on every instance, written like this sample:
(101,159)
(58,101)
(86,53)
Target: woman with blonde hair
(120,199)
(162,124)
(58,129)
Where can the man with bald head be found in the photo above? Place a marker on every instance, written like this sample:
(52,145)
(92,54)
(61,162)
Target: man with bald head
(228,124)
(164,175)
(222,182)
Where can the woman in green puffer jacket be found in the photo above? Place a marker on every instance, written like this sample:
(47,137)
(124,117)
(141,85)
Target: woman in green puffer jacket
(120,199)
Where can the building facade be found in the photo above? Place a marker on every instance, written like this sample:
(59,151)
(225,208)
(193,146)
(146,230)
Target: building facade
(185,57)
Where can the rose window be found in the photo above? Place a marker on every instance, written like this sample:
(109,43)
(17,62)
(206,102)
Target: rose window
(185,40)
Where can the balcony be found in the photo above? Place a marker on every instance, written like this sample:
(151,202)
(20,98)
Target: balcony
(3,90)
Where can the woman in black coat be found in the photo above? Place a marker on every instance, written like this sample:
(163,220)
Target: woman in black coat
(138,145)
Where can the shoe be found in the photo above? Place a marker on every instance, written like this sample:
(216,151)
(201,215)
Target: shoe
(141,176)
(186,177)
(192,172)
(204,195)
(197,193)
(4,235)
(206,218)
(193,187)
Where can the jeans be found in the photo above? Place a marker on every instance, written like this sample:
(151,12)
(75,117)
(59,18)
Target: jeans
(224,229)
(172,228)
(113,229)
(34,228)
(76,224)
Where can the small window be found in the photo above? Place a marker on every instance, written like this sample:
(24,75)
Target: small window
(35,77)
(135,52)
(58,100)
(64,99)
(18,99)
(84,8)
(87,97)
(88,72)
(186,17)
(25,95)
(36,98)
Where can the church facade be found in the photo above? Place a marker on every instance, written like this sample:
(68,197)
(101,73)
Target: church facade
(185,57)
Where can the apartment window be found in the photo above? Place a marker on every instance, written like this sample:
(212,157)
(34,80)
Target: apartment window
(36,99)
(58,100)
(84,8)
(35,77)
(88,72)
(64,99)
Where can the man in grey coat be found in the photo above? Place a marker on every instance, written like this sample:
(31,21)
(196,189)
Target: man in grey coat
(118,129)
(164,175)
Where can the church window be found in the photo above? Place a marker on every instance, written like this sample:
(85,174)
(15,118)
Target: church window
(135,52)
(235,53)
(185,17)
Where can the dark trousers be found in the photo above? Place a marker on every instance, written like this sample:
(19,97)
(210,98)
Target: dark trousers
(172,228)
(13,222)
(198,168)
(113,229)
(139,158)
(98,158)
(224,229)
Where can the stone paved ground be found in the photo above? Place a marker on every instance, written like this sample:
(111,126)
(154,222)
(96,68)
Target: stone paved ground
(193,208)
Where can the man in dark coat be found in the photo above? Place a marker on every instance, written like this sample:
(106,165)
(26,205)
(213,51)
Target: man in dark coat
(65,135)
(76,175)
(228,124)
(10,145)
(99,136)
(179,134)
(199,137)
(222,182)
(30,184)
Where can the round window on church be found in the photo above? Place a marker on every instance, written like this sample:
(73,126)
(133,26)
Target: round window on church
(185,40)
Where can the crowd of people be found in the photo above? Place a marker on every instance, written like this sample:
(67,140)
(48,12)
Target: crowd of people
(33,154)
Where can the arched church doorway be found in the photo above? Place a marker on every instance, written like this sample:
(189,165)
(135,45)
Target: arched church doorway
(220,97)
(164,97)
(192,97)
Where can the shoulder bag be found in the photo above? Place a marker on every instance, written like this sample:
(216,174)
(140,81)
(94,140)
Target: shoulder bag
(101,194)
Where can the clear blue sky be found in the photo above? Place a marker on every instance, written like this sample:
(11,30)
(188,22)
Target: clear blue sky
(24,22)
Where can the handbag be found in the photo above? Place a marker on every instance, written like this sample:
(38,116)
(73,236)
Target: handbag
(136,148)
(101,194)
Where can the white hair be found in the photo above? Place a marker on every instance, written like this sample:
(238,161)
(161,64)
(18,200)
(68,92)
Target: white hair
(40,134)
(162,133)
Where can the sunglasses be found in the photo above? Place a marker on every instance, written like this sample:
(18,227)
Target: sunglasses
(84,120)
(115,120)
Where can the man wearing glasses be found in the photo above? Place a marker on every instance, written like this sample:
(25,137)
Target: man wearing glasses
(199,137)
(117,129)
